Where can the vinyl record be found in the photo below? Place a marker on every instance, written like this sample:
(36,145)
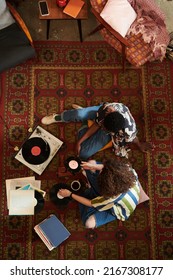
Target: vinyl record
(40,202)
(35,150)
(53,195)
(73,164)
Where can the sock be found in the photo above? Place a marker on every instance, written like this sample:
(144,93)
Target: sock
(57,118)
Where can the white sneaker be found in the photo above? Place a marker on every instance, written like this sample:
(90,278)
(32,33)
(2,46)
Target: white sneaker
(75,106)
(50,119)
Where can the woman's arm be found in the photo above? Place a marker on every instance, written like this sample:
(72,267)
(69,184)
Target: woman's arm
(92,165)
(78,198)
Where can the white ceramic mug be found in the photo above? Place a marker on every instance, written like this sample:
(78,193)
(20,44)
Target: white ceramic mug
(75,185)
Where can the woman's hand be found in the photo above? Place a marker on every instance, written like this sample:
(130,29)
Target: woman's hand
(64,192)
(80,199)
(89,165)
(92,165)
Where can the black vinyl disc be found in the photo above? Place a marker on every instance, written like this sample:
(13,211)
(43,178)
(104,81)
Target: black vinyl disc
(40,202)
(35,150)
(73,164)
(53,195)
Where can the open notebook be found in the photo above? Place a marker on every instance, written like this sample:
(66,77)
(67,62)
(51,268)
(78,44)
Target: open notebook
(73,8)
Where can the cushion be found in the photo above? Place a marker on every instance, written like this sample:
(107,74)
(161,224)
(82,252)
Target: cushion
(119,14)
(142,196)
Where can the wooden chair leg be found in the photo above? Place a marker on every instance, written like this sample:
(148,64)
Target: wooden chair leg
(123,57)
(98,28)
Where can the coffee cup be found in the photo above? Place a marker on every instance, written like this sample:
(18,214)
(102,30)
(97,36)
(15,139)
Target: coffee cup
(75,185)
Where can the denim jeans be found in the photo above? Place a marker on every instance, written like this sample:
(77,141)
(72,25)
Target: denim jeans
(101,217)
(80,115)
(94,143)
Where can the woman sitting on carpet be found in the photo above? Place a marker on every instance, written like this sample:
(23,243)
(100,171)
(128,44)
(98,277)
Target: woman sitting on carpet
(112,122)
(113,193)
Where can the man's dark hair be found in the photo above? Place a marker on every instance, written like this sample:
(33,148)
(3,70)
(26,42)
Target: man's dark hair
(113,122)
(115,178)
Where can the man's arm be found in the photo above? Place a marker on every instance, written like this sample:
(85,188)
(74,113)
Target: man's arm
(143,146)
(91,130)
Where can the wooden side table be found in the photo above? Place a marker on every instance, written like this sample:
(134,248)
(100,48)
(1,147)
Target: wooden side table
(56,13)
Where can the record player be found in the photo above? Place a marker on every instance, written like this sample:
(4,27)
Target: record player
(38,150)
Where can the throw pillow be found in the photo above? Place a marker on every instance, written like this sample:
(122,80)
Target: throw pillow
(142,196)
(119,14)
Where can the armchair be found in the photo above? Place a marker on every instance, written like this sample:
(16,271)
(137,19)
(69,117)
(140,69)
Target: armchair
(145,40)
(16,45)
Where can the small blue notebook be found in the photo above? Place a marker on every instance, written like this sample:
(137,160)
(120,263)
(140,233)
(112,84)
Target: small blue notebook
(53,231)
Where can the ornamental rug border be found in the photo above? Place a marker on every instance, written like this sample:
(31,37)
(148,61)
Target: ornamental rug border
(158,110)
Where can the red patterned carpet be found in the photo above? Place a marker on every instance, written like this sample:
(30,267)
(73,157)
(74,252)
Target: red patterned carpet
(87,74)
(158,104)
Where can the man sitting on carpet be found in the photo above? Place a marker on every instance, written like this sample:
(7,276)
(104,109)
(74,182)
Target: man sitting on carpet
(113,193)
(112,122)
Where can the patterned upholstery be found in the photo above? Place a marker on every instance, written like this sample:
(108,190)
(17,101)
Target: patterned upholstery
(137,53)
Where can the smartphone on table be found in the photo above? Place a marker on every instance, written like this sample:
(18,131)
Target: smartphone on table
(43,7)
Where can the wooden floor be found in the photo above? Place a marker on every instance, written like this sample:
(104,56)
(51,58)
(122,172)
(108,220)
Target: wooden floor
(62,30)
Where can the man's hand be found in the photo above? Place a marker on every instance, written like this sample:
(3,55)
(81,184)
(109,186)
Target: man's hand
(146,146)
(143,146)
